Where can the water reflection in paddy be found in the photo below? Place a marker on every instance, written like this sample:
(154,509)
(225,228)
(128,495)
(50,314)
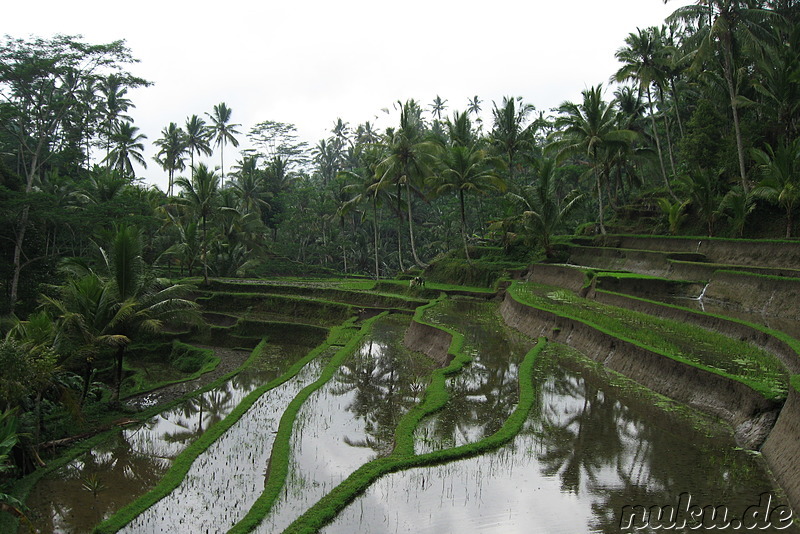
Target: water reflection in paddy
(351,419)
(588,449)
(485,392)
(225,480)
(132,462)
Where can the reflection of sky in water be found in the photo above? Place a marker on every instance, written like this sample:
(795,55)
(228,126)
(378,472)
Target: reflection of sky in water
(346,423)
(485,392)
(131,462)
(582,456)
(225,480)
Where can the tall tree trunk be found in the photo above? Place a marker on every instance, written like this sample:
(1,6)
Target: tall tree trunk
(120,355)
(463,224)
(669,136)
(789,221)
(22,229)
(375,235)
(675,103)
(728,68)
(205,253)
(222,163)
(411,227)
(658,144)
(399,233)
(599,202)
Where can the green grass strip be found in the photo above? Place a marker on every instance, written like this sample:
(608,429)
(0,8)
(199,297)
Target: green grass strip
(182,463)
(327,508)
(608,321)
(23,487)
(281,447)
(701,238)
(758,275)
(792,342)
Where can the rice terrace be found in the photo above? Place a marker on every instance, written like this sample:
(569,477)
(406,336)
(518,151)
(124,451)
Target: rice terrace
(506,319)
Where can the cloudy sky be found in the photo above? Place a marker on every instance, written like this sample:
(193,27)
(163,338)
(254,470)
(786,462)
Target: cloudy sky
(308,62)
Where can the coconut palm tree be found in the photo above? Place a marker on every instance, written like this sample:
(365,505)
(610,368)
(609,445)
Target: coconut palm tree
(409,160)
(542,211)
(510,134)
(223,132)
(780,184)
(367,186)
(467,169)
(114,105)
(727,30)
(142,302)
(702,189)
(197,138)
(589,130)
(641,59)
(126,145)
(200,196)
(173,146)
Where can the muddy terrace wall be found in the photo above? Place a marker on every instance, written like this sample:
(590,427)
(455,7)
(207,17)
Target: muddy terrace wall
(756,294)
(653,263)
(729,251)
(429,340)
(648,287)
(557,275)
(750,414)
(782,449)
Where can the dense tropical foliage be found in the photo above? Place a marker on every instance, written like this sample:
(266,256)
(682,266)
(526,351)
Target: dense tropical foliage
(700,136)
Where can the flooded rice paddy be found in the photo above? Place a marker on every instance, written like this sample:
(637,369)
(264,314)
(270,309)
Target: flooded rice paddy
(592,444)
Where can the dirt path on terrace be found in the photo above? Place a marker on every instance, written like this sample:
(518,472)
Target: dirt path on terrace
(230,360)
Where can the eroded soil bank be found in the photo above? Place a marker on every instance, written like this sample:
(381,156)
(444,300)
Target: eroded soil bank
(750,414)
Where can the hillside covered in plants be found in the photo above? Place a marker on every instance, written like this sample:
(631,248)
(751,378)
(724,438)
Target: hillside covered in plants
(113,288)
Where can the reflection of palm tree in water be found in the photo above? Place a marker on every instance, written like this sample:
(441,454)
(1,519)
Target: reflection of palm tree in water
(578,437)
(383,391)
(200,412)
(114,466)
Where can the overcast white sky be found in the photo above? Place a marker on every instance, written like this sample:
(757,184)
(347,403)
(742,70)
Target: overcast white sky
(308,62)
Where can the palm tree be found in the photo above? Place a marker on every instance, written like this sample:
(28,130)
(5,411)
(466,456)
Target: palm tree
(459,130)
(408,160)
(197,138)
(87,312)
(640,58)
(141,301)
(466,169)
(173,148)
(727,29)
(702,188)
(114,105)
(781,178)
(543,212)
(589,129)
(126,144)
(437,107)
(367,186)
(510,135)
(223,132)
(200,195)
(474,106)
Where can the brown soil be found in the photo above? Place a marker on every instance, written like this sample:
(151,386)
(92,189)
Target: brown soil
(750,414)
(230,360)
(429,340)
